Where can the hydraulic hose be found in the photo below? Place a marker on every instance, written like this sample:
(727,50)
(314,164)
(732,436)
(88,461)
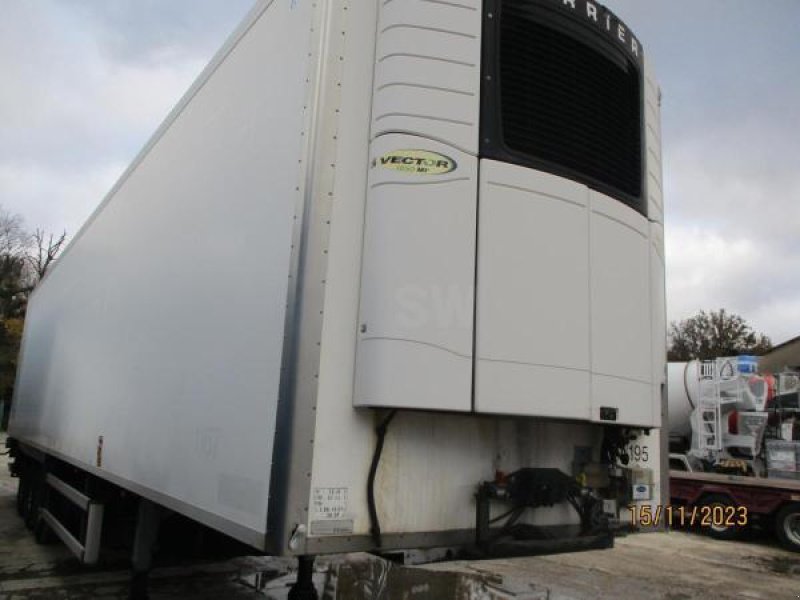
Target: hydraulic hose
(375,528)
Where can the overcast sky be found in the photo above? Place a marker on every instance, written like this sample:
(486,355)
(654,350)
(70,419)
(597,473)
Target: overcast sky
(86,82)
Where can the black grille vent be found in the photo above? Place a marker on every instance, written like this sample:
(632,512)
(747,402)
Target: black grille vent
(563,99)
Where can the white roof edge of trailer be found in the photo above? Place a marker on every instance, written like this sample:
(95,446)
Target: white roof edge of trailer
(230,43)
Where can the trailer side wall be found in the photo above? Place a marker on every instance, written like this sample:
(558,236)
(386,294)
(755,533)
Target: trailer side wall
(160,329)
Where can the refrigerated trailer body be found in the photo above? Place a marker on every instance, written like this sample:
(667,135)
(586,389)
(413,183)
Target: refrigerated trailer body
(447,215)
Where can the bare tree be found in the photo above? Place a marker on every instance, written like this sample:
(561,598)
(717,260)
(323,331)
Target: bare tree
(46,249)
(715,333)
(14,240)
(24,260)
(15,243)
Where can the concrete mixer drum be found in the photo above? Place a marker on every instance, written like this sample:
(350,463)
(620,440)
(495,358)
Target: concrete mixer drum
(683,396)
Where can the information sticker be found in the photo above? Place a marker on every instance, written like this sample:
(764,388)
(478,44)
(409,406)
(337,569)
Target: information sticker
(329,504)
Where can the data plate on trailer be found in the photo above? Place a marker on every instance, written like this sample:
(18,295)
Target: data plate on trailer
(337,527)
(329,511)
(329,504)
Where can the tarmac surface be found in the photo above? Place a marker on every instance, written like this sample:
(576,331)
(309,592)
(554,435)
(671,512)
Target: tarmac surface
(657,566)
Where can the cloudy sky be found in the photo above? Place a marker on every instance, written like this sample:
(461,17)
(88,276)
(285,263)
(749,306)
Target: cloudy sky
(86,82)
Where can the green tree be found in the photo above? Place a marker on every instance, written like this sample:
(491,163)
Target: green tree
(10,338)
(15,244)
(714,333)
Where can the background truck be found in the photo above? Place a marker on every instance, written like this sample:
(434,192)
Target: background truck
(735,448)
(391,275)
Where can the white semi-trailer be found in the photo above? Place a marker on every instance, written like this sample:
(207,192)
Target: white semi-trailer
(389,271)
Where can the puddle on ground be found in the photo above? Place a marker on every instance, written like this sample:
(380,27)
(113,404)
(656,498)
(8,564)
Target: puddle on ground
(782,565)
(380,580)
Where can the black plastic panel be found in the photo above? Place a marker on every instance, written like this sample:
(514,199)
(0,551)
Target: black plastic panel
(560,96)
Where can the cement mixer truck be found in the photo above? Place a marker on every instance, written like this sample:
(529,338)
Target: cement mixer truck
(734,436)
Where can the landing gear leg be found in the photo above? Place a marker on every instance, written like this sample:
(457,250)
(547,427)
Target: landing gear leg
(303,588)
(147,526)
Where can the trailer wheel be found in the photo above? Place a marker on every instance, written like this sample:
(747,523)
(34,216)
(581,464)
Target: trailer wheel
(33,499)
(716,530)
(23,490)
(42,533)
(32,507)
(787,526)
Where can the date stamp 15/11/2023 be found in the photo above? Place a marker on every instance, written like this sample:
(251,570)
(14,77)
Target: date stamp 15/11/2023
(712,515)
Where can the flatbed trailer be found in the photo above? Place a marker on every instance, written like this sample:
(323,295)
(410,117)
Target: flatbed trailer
(726,505)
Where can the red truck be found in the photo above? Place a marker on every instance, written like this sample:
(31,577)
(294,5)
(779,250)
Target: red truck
(726,505)
(734,438)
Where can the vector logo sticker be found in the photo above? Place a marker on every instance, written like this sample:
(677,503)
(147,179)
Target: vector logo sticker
(418,162)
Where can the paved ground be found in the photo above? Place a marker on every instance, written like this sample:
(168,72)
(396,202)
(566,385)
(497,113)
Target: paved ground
(674,566)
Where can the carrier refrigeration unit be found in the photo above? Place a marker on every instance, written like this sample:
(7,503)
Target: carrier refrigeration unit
(388,272)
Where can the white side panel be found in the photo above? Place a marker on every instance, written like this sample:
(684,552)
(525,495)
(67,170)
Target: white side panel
(564,300)
(653,159)
(621,312)
(427,73)
(345,437)
(655,194)
(161,328)
(659,318)
(417,293)
(532,340)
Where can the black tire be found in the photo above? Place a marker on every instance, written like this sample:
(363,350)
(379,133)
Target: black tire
(787,526)
(716,531)
(34,496)
(23,489)
(42,533)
